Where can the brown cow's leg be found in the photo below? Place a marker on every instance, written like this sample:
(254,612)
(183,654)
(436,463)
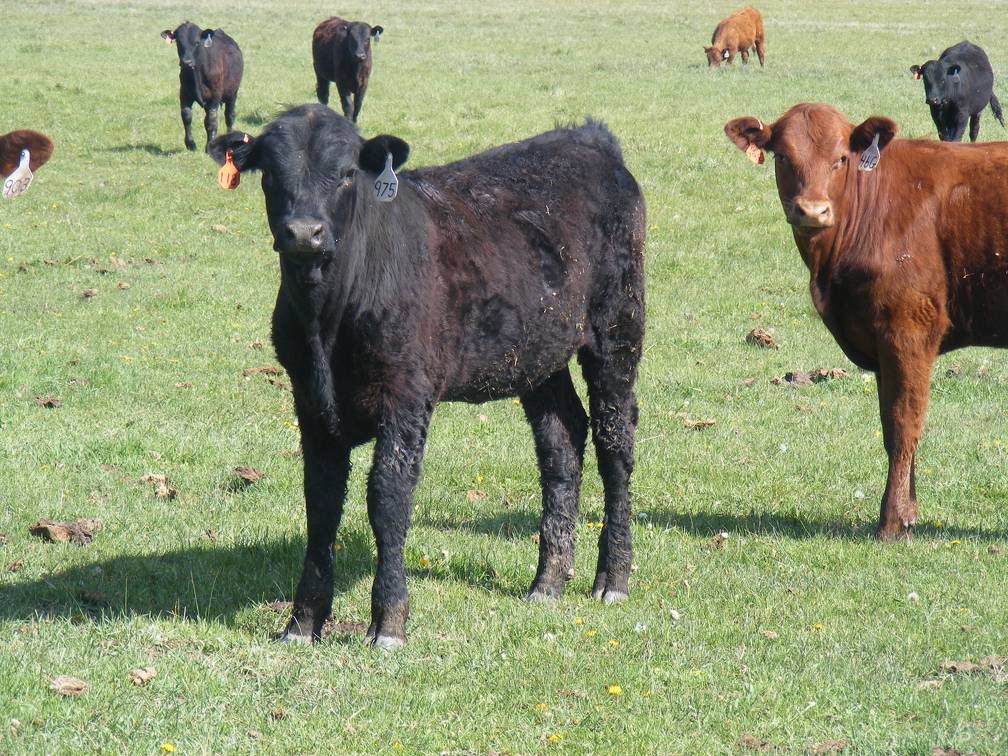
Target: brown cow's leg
(326,469)
(904,382)
(394,474)
(560,427)
(745,55)
(760,50)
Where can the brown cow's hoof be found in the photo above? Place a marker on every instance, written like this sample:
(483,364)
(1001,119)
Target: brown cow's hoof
(893,533)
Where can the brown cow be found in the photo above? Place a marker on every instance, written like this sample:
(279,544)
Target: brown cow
(738,33)
(39,146)
(341,53)
(907,261)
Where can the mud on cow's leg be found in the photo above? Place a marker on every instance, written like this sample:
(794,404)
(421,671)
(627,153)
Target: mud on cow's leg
(613,410)
(394,473)
(560,428)
(326,469)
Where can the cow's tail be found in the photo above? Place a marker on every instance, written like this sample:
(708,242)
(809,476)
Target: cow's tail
(996,109)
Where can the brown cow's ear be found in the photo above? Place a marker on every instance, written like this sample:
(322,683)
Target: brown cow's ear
(916,71)
(750,135)
(863,135)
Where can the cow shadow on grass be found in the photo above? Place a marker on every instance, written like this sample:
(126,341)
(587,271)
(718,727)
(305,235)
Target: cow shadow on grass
(523,525)
(148,147)
(202,582)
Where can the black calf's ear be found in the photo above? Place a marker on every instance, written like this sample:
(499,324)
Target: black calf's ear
(207,37)
(864,134)
(916,71)
(376,32)
(167,36)
(243,147)
(373,152)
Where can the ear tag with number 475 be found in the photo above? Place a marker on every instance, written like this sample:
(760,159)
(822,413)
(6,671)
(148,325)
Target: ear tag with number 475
(19,181)
(870,157)
(386,187)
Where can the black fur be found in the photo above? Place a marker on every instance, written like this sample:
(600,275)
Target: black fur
(210,73)
(478,282)
(957,87)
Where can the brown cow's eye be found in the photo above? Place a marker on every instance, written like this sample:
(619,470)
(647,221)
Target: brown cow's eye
(840,163)
(782,159)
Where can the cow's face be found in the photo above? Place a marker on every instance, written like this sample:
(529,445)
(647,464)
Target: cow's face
(715,55)
(188,38)
(316,170)
(814,149)
(942,81)
(358,39)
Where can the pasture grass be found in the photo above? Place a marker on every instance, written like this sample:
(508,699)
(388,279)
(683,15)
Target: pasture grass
(150,380)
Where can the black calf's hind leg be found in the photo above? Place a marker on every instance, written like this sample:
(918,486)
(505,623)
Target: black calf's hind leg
(560,428)
(974,126)
(394,473)
(229,112)
(326,469)
(210,122)
(613,410)
(322,89)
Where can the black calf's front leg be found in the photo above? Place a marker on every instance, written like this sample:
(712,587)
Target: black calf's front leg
(394,474)
(326,469)
(186,109)
(358,102)
(560,428)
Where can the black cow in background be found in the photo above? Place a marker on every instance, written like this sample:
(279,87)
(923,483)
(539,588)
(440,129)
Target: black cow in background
(341,52)
(478,281)
(210,64)
(957,87)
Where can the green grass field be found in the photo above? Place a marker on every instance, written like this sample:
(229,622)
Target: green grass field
(799,630)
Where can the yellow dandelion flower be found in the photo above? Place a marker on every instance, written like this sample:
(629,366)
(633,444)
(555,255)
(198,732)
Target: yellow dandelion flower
(397,744)
(938,524)
(542,707)
(424,562)
(816,627)
(167,747)
(613,642)
(337,546)
(554,738)
(479,477)
(954,543)
(590,633)
(578,620)
(614,690)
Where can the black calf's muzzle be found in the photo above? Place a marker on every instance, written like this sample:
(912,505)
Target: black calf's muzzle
(302,236)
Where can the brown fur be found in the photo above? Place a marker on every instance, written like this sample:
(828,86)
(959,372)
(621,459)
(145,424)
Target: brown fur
(39,146)
(907,261)
(739,33)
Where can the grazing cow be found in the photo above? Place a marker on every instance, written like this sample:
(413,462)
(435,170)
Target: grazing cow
(907,260)
(39,147)
(740,32)
(211,65)
(479,281)
(957,87)
(341,52)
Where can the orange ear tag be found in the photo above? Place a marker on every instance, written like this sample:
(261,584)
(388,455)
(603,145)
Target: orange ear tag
(755,154)
(228,176)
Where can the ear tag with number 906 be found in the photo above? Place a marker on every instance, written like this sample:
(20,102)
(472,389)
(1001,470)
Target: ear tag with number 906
(386,187)
(19,181)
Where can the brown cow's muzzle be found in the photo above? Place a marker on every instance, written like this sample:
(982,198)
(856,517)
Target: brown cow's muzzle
(811,214)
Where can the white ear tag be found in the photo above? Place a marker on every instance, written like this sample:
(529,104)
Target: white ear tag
(870,157)
(19,181)
(387,186)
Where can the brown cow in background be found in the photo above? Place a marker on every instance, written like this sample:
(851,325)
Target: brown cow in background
(341,53)
(908,259)
(738,33)
(39,146)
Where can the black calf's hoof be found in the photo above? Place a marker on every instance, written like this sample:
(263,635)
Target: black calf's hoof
(292,638)
(540,596)
(610,596)
(191,146)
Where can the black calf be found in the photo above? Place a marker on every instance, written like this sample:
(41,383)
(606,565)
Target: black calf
(210,73)
(479,281)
